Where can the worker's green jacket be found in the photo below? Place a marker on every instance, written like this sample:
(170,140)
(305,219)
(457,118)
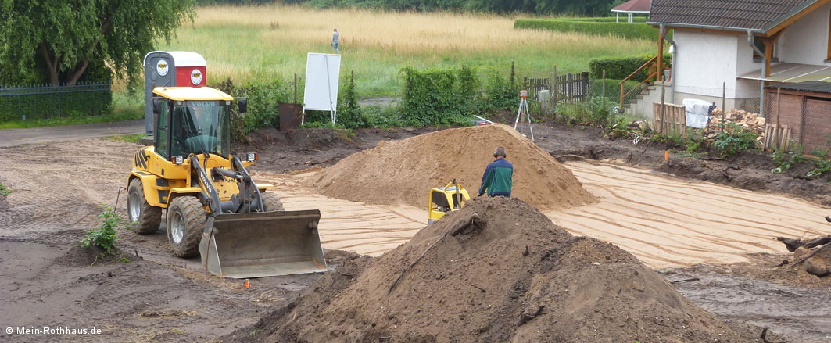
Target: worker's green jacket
(497,178)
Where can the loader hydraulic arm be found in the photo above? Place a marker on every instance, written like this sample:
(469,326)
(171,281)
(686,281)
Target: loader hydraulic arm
(207,186)
(248,198)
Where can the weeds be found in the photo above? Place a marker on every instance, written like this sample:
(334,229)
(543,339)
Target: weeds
(784,160)
(734,139)
(4,191)
(104,235)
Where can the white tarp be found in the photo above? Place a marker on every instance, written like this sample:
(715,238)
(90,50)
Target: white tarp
(698,112)
(321,93)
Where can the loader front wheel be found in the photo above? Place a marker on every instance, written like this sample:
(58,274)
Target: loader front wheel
(185,221)
(143,217)
(271,202)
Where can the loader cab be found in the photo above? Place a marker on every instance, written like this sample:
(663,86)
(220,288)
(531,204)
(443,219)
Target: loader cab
(196,124)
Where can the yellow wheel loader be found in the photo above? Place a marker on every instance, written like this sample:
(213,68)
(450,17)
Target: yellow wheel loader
(213,207)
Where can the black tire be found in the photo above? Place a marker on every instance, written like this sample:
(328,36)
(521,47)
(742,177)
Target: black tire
(185,223)
(143,218)
(271,202)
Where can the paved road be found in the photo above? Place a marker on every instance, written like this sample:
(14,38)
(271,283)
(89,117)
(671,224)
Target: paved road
(36,135)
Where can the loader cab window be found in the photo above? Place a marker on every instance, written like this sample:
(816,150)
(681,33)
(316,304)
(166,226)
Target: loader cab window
(162,135)
(199,127)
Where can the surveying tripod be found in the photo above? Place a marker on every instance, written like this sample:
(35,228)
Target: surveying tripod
(522,115)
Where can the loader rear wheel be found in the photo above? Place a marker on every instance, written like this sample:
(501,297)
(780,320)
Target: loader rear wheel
(143,217)
(271,202)
(185,222)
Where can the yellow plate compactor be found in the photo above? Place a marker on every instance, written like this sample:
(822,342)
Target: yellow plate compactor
(445,199)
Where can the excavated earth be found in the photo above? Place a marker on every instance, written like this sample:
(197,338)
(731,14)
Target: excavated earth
(496,271)
(477,283)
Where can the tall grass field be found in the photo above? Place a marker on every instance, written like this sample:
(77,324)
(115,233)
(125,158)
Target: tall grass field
(260,43)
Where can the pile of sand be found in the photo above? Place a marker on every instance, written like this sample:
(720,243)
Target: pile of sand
(496,271)
(403,172)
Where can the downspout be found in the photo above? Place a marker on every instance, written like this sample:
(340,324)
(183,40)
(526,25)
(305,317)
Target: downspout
(764,73)
(672,50)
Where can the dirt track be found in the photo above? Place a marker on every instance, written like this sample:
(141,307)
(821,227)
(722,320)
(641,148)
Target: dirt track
(663,221)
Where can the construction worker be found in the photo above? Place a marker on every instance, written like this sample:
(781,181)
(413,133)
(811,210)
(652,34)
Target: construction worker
(497,179)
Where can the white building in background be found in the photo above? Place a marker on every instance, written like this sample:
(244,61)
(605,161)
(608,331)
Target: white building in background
(729,46)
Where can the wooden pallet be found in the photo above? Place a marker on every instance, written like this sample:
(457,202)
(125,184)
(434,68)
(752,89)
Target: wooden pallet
(777,137)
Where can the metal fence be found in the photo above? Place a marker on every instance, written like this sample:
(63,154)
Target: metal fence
(27,102)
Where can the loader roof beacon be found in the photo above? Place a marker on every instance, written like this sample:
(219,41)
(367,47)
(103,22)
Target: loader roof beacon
(213,207)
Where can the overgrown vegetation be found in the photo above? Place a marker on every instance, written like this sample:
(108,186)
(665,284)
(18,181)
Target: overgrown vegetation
(104,236)
(590,26)
(733,139)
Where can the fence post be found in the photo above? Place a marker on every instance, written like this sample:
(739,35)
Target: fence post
(584,89)
(723,99)
(555,90)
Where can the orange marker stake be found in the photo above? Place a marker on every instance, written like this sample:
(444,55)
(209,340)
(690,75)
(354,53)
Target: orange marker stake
(247,283)
(666,155)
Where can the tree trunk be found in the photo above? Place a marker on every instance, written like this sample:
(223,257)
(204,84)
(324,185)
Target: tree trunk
(51,64)
(76,74)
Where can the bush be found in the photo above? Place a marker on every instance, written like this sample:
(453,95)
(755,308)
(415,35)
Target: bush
(590,26)
(104,236)
(263,98)
(596,111)
(734,139)
(349,112)
(620,68)
(434,97)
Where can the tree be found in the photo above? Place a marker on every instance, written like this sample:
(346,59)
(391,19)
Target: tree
(58,40)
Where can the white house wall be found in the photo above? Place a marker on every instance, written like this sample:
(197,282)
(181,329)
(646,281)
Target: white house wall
(705,61)
(805,40)
(744,65)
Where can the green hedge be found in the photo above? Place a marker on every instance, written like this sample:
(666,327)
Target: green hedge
(620,68)
(594,27)
(52,102)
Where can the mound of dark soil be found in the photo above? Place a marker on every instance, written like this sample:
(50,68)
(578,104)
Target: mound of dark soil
(497,271)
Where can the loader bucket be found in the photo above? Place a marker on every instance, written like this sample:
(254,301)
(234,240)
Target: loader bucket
(242,245)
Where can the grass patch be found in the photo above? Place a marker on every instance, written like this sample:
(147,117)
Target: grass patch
(260,43)
(126,138)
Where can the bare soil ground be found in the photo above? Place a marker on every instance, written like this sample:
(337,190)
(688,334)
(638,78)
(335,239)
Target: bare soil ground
(145,294)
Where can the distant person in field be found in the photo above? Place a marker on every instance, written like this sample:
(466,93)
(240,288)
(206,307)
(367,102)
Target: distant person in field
(498,177)
(335,39)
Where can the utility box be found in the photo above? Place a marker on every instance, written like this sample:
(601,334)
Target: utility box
(173,69)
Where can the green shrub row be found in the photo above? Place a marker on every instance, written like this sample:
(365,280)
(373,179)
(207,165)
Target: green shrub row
(597,28)
(51,102)
(624,18)
(447,97)
(620,68)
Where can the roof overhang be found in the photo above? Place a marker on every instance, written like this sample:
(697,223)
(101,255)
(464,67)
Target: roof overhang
(776,25)
(706,27)
(791,73)
(626,11)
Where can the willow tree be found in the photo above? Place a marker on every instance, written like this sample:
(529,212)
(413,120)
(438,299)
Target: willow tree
(58,40)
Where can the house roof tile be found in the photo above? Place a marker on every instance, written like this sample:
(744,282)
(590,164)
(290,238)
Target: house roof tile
(745,14)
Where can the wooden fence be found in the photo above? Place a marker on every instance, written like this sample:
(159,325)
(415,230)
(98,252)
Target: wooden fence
(562,88)
(672,120)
